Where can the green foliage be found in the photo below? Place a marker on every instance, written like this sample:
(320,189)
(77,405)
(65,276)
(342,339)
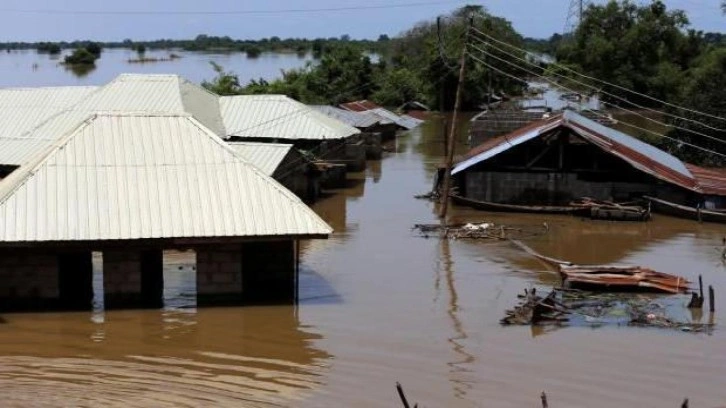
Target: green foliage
(418,50)
(253,51)
(224,83)
(140,49)
(704,92)
(643,48)
(398,86)
(81,56)
(49,48)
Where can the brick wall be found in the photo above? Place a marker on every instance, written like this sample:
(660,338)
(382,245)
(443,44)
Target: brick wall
(28,279)
(219,275)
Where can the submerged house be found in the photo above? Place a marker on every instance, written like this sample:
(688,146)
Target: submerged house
(284,163)
(404,122)
(131,185)
(280,119)
(567,157)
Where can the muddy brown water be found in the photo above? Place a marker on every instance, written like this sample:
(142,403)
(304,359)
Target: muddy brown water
(379,304)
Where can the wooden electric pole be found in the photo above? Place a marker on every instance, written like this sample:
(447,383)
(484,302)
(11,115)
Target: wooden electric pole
(452,129)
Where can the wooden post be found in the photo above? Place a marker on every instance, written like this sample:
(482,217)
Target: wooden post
(711,299)
(452,129)
(404,401)
(446,139)
(544,400)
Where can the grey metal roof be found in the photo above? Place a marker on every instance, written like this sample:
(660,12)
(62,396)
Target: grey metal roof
(405,121)
(144,176)
(630,142)
(265,156)
(279,117)
(360,120)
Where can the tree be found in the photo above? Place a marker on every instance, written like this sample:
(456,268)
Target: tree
(643,48)
(704,93)
(140,50)
(435,62)
(224,83)
(81,56)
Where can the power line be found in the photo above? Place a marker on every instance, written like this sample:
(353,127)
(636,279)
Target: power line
(606,103)
(600,114)
(228,12)
(605,82)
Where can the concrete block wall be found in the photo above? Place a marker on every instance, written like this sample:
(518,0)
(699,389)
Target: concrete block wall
(121,278)
(269,271)
(544,188)
(219,275)
(28,279)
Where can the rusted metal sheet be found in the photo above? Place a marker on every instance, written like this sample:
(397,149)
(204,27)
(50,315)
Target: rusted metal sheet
(640,155)
(710,180)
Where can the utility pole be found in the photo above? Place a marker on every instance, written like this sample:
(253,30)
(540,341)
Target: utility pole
(452,129)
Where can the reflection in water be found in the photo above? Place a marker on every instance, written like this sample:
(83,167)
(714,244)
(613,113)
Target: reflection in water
(80,70)
(457,367)
(242,356)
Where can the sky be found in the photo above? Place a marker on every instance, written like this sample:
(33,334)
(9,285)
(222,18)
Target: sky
(47,20)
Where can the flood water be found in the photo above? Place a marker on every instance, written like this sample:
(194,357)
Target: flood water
(378,304)
(28,68)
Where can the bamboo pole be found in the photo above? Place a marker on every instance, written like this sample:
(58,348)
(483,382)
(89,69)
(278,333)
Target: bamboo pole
(452,129)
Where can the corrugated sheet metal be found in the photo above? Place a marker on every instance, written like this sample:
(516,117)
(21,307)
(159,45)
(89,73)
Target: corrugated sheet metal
(22,109)
(405,121)
(265,156)
(640,155)
(279,117)
(157,94)
(710,180)
(359,120)
(126,93)
(141,176)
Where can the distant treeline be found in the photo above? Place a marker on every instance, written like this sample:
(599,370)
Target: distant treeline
(212,43)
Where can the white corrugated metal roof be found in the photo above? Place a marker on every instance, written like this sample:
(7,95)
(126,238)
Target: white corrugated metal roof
(265,156)
(278,117)
(126,93)
(355,119)
(406,122)
(156,93)
(141,176)
(22,109)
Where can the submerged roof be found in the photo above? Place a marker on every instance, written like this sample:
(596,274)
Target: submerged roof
(22,109)
(265,156)
(157,93)
(355,119)
(146,176)
(279,117)
(404,121)
(126,93)
(640,155)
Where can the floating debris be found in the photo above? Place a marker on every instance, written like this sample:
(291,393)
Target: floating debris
(480,230)
(612,277)
(580,308)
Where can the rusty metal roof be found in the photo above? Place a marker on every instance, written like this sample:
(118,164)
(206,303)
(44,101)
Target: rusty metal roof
(638,154)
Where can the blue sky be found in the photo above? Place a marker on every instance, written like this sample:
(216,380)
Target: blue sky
(536,18)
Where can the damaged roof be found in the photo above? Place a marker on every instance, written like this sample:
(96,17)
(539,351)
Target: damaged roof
(405,121)
(640,155)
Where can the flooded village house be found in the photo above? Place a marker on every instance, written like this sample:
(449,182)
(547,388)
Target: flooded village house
(135,168)
(567,157)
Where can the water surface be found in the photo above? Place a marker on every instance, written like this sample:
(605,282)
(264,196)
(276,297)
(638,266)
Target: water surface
(380,304)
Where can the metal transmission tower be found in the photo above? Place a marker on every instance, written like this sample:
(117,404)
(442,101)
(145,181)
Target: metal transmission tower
(574,15)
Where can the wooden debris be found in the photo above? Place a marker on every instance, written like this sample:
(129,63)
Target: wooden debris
(612,277)
(477,230)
